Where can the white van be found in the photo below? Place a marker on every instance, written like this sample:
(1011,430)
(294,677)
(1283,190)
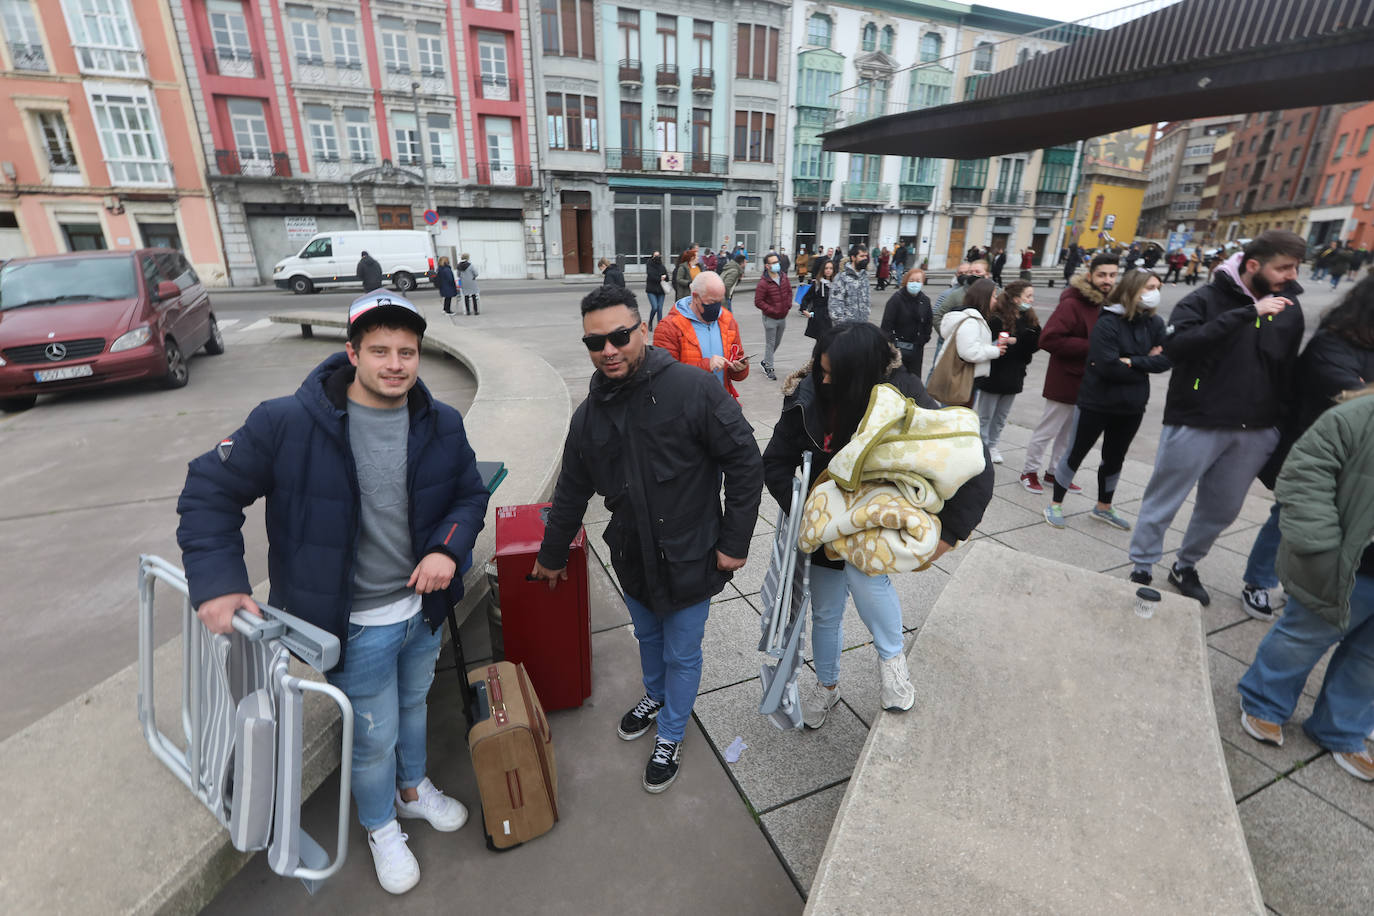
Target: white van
(331,259)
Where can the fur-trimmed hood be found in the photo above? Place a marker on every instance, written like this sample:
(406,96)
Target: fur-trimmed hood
(1083,284)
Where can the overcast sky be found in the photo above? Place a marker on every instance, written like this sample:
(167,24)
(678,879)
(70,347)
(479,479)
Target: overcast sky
(1058,10)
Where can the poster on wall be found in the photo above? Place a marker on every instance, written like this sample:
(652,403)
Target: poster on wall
(300,228)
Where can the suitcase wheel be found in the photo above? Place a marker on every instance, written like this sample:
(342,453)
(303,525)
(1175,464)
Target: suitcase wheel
(491,844)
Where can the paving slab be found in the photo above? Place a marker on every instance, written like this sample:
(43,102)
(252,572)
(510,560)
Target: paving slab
(936,819)
(799,830)
(1005,515)
(1247,774)
(730,648)
(918,592)
(1323,778)
(1066,545)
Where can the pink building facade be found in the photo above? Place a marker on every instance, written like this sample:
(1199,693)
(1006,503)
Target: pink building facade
(100,146)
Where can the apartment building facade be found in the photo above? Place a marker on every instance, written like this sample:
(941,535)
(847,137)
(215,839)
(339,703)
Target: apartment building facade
(1176,168)
(858,61)
(346,114)
(1344,206)
(101,150)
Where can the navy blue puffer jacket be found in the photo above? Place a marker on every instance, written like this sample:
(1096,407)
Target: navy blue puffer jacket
(295,452)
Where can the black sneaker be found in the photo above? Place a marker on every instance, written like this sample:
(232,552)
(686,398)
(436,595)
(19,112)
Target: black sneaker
(1256,602)
(1186,581)
(637,721)
(662,768)
(1141,577)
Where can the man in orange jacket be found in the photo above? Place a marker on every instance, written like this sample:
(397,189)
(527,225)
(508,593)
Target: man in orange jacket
(698,332)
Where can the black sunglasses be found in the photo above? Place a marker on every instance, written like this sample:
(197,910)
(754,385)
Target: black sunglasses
(618,338)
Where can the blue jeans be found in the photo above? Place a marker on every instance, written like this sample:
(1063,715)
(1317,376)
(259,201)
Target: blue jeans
(1344,714)
(1259,569)
(655,307)
(386,676)
(879,609)
(670,657)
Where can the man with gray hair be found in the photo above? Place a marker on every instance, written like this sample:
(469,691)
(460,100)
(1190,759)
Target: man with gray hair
(698,332)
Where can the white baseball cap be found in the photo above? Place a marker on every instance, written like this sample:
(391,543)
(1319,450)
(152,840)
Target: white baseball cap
(378,306)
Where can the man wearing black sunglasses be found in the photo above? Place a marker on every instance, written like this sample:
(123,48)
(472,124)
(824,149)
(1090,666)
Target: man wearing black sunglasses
(654,438)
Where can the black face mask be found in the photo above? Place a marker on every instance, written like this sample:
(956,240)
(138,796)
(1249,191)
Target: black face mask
(710,311)
(968,280)
(861,266)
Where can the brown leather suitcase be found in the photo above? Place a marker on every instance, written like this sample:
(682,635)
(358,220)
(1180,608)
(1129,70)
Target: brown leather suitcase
(512,756)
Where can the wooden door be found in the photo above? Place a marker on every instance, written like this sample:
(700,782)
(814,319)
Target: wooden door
(955,254)
(570,247)
(584,241)
(393,218)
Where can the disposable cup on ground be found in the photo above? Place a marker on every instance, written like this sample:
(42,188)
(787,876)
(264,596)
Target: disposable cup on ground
(1146,600)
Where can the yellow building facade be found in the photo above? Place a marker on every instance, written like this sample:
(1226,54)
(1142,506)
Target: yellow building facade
(1107,206)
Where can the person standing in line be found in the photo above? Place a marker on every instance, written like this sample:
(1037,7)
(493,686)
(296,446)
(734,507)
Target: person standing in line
(1126,347)
(1013,314)
(1075,257)
(1338,358)
(999,263)
(968,326)
(773,297)
(672,545)
(1190,273)
(850,296)
(373,500)
(1027,263)
(824,404)
(685,272)
(699,332)
(656,286)
(446,284)
(1065,338)
(815,305)
(730,275)
(1326,561)
(1177,260)
(899,259)
(467,285)
(907,320)
(1338,264)
(611,273)
(884,268)
(709,261)
(1234,345)
(370,272)
(965,276)
(803,264)
(785,261)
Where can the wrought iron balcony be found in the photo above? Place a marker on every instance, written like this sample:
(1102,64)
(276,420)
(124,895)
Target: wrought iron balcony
(1008,197)
(1051,198)
(631,72)
(27,56)
(876,192)
(703,80)
(811,188)
(666,76)
(257,164)
(702,163)
(228,62)
(919,195)
(648,160)
(966,196)
(498,88)
(816,116)
(505,174)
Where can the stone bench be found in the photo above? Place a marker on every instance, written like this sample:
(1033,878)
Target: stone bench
(97,824)
(1062,757)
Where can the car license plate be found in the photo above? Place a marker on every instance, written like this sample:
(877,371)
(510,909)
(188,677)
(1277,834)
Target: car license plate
(66,372)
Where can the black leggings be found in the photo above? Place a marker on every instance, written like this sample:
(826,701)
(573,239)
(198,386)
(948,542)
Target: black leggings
(1117,430)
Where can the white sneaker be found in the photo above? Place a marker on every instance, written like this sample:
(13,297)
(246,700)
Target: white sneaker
(996,455)
(897,692)
(817,702)
(397,869)
(443,813)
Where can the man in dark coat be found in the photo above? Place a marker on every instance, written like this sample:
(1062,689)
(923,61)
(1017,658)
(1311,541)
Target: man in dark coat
(370,272)
(999,263)
(373,504)
(611,273)
(654,438)
(1071,262)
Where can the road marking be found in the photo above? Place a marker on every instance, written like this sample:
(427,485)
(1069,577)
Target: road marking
(228,323)
(257,325)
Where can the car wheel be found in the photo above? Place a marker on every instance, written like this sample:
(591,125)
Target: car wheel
(404,282)
(178,373)
(14,405)
(215,345)
(302,285)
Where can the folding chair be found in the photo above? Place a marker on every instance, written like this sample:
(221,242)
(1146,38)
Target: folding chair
(241,718)
(786,598)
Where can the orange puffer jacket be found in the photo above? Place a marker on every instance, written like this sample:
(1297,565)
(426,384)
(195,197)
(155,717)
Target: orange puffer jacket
(676,335)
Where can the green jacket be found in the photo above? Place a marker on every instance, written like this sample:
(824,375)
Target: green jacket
(729,275)
(1326,494)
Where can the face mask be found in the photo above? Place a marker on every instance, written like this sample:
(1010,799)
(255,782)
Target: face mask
(775,267)
(913,287)
(967,280)
(711,312)
(861,266)
(1023,306)
(1149,299)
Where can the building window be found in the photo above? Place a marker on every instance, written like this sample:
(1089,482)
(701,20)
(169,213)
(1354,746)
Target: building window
(628,21)
(491,58)
(756,52)
(1022,56)
(1283,133)
(811,160)
(665,129)
(557,129)
(815,87)
(324,139)
(754,136)
(1340,147)
(1350,183)
(982,57)
(639,226)
(129,136)
(1366,140)
(358,130)
(701,131)
(229,31)
(865,167)
(630,119)
(439,133)
(970,173)
(701,39)
(395,44)
(1302,188)
(1283,189)
(888,39)
(692,219)
(249,125)
(343,37)
(548,25)
(568,28)
(52,126)
(500,134)
(818,30)
(1009,175)
(577,129)
(405,138)
(22,35)
(1326,189)
(305,35)
(749,222)
(932,46)
(589,134)
(920,170)
(869,41)
(104,37)
(871,98)
(429,45)
(667,39)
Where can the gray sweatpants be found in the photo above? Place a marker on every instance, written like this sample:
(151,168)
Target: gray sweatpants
(772,336)
(1222,463)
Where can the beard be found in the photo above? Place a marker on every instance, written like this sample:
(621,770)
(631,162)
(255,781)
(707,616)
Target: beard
(1260,285)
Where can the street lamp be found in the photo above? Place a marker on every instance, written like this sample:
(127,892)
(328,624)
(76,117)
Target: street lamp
(419,143)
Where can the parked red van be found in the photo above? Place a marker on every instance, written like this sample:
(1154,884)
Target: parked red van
(94,318)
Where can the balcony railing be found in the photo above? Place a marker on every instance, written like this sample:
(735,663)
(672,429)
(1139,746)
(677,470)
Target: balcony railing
(493,6)
(1008,197)
(505,174)
(648,160)
(1051,198)
(966,196)
(631,72)
(27,56)
(702,163)
(666,76)
(253,164)
(498,88)
(703,80)
(919,195)
(866,191)
(816,116)
(811,188)
(226,62)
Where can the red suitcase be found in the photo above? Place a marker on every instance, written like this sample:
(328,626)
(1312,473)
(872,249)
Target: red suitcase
(548,631)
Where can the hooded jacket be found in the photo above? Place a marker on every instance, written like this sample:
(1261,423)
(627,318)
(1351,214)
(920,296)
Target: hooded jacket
(773,294)
(729,275)
(679,333)
(655,447)
(1109,385)
(467,278)
(973,339)
(849,296)
(295,452)
(370,273)
(613,276)
(1065,337)
(1232,368)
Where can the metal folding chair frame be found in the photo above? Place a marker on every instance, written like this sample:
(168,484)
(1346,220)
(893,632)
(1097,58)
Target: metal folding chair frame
(786,596)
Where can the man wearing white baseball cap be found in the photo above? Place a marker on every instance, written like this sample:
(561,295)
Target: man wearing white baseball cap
(373,502)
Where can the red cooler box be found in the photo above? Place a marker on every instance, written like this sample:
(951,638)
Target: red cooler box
(548,631)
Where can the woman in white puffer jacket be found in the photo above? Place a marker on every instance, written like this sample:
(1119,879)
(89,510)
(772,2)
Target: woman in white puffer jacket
(973,337)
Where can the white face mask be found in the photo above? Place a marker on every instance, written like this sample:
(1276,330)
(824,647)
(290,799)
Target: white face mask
(1024,305)
(1149,299)
(775,267)
(913,287)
